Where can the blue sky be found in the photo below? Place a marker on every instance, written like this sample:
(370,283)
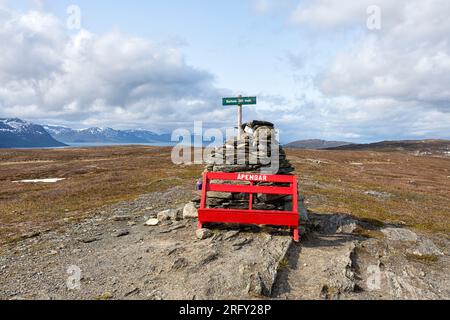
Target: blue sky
(244,49)
(316,68)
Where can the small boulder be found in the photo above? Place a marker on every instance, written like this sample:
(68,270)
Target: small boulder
(152,222)
(167,215)
(190,211)
(203,234)
(347,227)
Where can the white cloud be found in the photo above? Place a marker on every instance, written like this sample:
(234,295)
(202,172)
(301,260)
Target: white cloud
(396,78)
(324,14)
(265,6)
(391,83)
(408,60)
(47,73)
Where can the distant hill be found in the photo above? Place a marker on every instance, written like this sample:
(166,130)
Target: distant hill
(419,146)
(104,135)
(316,144)
(16,133)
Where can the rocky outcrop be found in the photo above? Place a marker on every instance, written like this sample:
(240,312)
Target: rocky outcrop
(342,257)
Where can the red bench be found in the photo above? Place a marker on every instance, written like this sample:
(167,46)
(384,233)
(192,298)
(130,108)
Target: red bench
(250,216)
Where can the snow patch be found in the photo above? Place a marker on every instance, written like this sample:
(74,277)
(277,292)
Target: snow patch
(51,180)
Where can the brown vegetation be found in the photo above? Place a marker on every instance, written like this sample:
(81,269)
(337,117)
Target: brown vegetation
(94,177)
(412,190)
(394,187)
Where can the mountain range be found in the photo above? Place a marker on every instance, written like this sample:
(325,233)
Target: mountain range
(105,135)
(16,133)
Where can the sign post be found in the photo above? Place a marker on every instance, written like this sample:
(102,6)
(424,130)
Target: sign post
(240,131)
(239,102)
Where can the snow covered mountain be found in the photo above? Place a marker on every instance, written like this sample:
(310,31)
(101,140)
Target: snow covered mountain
(16,133)
(104,135)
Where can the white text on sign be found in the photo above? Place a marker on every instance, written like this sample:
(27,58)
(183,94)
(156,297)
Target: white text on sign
(252,177)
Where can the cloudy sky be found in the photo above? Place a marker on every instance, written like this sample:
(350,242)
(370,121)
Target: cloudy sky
(342,70)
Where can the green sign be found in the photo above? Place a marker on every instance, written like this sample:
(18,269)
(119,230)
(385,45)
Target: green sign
(239,101)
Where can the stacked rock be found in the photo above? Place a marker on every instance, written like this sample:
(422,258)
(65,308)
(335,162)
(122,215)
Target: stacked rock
(257,151)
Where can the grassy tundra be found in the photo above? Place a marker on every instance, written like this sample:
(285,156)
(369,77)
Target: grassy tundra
(391,187)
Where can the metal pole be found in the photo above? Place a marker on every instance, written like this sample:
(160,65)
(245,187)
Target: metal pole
(240,131)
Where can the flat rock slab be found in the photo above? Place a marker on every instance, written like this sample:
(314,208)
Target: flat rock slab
(217,269)
(397,234)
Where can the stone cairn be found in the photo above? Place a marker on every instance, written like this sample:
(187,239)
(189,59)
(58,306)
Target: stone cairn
(257,151)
